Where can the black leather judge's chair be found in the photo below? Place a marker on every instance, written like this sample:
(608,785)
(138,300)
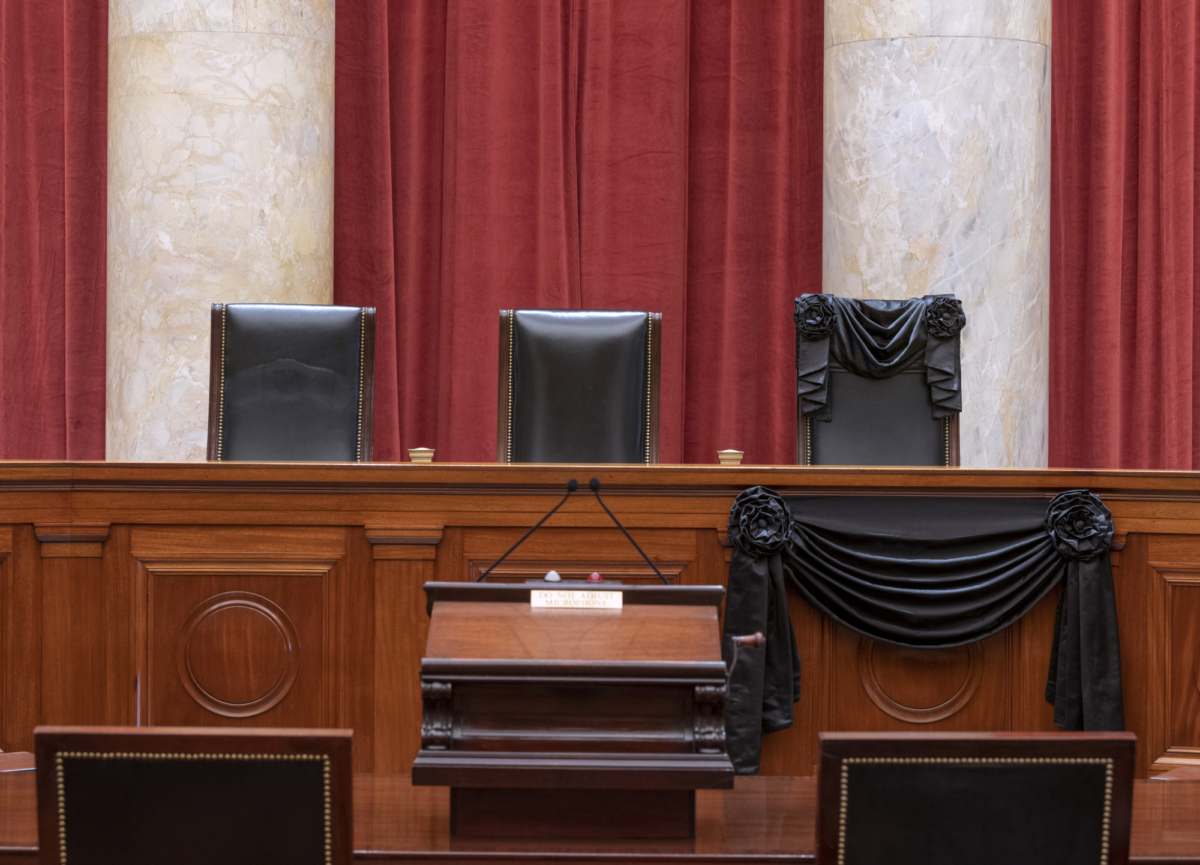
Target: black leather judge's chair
(193,796)
(866,394)
(578,386)
(982,798)
(290,382)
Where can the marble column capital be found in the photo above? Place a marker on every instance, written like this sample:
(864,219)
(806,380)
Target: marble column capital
(861,20)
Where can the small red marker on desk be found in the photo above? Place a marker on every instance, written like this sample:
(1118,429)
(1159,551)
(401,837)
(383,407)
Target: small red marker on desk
(594,577)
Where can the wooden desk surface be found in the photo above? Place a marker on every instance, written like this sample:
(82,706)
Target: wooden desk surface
(519,632)
(762,820)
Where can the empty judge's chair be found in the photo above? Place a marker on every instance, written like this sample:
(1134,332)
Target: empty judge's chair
(193,796)
(878,381)
(290,382)
(578,386)
(982,798)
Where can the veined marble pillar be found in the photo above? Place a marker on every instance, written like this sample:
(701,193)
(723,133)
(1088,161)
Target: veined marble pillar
(937,179)
(220,189)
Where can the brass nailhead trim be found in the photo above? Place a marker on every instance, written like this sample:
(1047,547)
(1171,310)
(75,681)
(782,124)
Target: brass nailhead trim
(221,388)
(134,755)
(844,798)
(362,360)
(946,434)
(512,349)
(649,370)
(808,440)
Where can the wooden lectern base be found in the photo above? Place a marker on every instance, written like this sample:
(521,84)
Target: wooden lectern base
(565,814)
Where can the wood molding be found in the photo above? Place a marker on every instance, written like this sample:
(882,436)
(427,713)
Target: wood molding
(71,540)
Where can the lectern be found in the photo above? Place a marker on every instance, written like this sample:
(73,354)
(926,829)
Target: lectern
(552,712)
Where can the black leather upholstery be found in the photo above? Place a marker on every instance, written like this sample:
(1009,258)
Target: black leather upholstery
(990,814)
(291,382)
(931,798)
(579,386)
(194,812)
(194,796)
(879,421)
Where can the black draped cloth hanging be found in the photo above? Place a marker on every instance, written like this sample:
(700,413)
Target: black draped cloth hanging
(925,573)
(877,339)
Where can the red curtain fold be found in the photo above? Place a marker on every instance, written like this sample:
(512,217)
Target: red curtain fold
(615,153)
(53,86)
(602,154)
(1125,235)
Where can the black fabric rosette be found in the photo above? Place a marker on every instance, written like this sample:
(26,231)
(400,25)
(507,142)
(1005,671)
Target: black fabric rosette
(944,316)
(815,316)
(1079,524)
(926,573)
(760,522)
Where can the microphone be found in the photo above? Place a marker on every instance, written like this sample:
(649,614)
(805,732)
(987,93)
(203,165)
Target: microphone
(594,485)
(572,485)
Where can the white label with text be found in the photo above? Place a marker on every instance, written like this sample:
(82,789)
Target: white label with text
(574,599)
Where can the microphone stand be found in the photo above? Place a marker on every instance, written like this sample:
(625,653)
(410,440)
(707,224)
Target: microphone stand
(594,484)
(572,485)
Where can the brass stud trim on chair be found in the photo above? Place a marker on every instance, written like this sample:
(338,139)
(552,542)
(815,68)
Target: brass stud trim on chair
(221,388)
(512,349)
(137,755)
(362,361)
(649,376)
(844,793)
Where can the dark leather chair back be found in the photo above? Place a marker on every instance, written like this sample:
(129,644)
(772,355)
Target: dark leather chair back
(193,796)
(289,382)
(578,386)
(983,798)
(879,422)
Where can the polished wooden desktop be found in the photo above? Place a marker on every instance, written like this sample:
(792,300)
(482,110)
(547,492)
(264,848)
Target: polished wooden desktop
(290,594)
(764,820)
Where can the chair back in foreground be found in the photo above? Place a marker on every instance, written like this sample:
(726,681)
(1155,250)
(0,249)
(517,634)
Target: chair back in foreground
(578,386)
(193,796)
(983,798)
(291,382)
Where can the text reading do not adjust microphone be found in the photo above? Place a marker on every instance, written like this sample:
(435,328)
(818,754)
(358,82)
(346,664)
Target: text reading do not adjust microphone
(594,485)
(572,485)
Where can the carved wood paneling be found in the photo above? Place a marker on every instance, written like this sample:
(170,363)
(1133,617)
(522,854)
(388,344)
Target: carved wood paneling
(80,632)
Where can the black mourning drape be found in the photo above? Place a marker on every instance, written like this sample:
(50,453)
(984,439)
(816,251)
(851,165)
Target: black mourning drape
(924,573)
(877,339)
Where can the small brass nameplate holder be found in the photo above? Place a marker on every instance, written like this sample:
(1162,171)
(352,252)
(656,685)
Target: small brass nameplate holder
(574,599)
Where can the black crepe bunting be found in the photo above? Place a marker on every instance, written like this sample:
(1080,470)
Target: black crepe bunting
(877,339)
(924,573)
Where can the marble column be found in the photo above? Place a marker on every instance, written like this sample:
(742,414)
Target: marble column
(220,189)
(937,158)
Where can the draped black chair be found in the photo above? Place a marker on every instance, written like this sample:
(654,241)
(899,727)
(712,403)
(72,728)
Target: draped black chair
(578,386)
(983,798)
(290,382)
(193,796)
(878,381)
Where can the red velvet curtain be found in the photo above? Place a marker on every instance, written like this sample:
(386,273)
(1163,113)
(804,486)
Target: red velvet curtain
(1125,241)
(53,103)
(603,154)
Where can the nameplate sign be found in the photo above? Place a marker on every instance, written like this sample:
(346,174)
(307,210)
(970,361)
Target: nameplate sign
(574,599)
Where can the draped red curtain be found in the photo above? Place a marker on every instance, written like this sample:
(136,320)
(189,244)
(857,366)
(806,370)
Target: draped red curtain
(616,153)
(53,103)
(1125,242)
(602,154)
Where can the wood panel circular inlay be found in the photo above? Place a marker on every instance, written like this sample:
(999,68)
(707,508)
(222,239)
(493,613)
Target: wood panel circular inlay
(919,686)
(236,654)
